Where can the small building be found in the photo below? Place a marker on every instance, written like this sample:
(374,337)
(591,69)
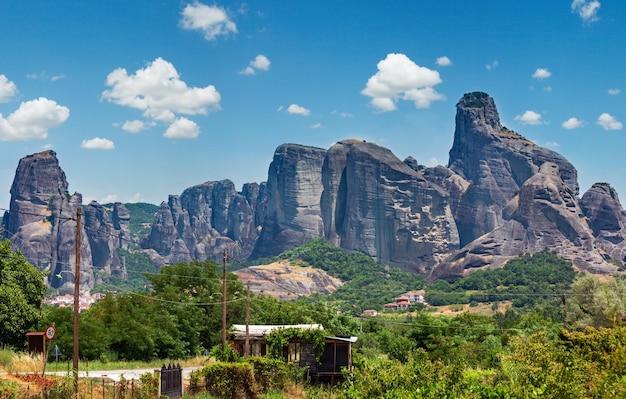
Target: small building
(337,353)
(370,312)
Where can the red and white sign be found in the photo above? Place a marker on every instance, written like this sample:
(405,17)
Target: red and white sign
(51,332)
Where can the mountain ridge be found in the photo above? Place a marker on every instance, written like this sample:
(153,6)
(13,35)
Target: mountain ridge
(500,195)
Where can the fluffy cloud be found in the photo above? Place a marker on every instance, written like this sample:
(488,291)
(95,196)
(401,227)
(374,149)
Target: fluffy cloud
(529,118)
(134,126)
(261,63)
(212,21)
(182,128)
(573,123)
(32,120)
(613,92)
(158,91)
(8,89)
(586,9)
(298,110)
(399,78)
(98,143)
(542,73)
(609,122)
(444,61)
(316,126)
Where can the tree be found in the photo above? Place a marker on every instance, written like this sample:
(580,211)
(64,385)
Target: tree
(21,292)
(596,302)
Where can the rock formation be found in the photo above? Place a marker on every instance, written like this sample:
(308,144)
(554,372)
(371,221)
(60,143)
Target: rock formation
(496,161)
(204,221)
(501,195)
(376,204)
(41,221)
(294,187)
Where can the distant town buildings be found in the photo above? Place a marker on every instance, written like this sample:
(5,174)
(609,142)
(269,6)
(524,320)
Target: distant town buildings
(67,301)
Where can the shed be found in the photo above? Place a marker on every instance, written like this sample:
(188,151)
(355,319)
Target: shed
(336,356)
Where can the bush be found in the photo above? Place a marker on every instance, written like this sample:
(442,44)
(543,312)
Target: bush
(269,374)
(230,380)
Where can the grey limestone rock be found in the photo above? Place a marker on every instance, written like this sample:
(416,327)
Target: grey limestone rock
(496,161)
(292,210)
(41,221)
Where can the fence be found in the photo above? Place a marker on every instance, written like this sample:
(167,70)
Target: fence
(172,381)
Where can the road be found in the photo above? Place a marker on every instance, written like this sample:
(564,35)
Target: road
(116,375)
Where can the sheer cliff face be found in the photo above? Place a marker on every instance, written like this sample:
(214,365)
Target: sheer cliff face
(294,188)
(496,162)
(378,205)
(41,221)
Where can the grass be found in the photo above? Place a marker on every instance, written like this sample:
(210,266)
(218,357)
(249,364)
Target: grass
(20,362)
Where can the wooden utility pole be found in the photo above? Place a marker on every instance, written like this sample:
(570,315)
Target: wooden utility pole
(77,299)
(224,305)
(246,347)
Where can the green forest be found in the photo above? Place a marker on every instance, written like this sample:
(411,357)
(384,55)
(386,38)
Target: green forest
(545,329)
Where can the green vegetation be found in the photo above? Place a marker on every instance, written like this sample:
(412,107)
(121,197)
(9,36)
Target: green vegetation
(141,217)
(21,292)
(369,284)
(138,266)
(560,335)
(529,281)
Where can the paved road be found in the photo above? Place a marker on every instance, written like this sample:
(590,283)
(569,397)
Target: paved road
(116,375)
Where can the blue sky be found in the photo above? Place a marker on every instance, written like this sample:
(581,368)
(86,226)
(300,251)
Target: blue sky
(141,99)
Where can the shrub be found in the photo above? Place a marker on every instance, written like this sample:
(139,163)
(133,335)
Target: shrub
(230,380)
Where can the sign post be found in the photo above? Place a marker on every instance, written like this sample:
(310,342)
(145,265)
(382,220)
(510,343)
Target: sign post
(56,352)
(51,332)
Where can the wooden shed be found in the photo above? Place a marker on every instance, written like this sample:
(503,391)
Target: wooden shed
(337,353)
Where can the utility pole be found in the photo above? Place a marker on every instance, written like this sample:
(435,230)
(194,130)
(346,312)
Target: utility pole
(246,347)
(224,304)
(79,212)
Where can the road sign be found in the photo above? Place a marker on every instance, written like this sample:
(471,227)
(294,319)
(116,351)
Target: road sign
(51,332)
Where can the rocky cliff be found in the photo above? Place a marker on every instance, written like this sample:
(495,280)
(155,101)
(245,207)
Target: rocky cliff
(499,196)
(41,222)
(206,220)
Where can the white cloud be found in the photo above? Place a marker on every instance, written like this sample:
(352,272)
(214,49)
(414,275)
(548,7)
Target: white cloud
(261,63)
(32,120)
(573,123)
(98,143)
(399,78)
(587,10)
(493,65)
(212,21)
(613,92)
(609,122)
(134,126)
(8,89)
(317,126)
(182,128)
(529,118)
(552,144)
(298,110)
(444,61)
(542,73)
(158,91)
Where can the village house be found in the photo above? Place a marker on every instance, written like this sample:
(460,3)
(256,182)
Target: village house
(406,300)
(337,353)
